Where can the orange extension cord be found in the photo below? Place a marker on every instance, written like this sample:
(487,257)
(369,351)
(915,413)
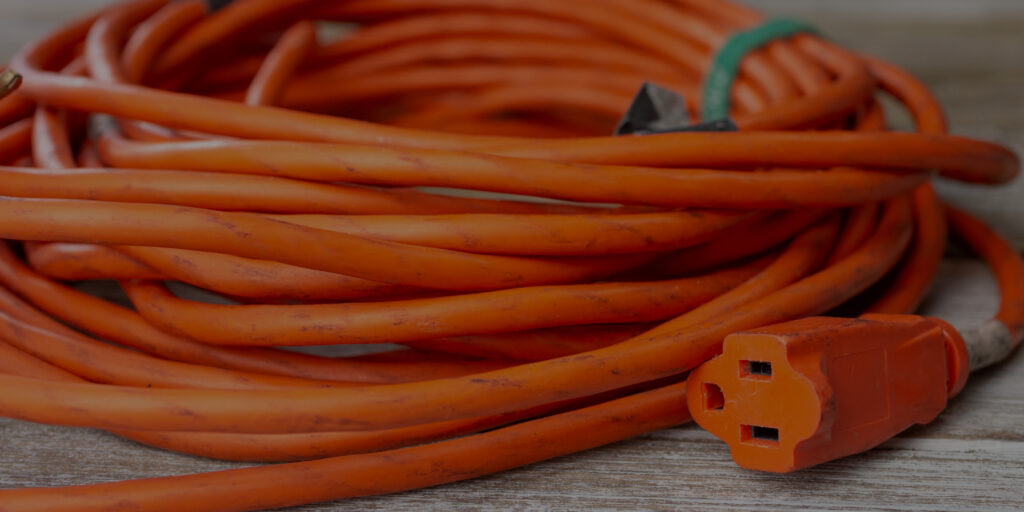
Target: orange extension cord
(157,141)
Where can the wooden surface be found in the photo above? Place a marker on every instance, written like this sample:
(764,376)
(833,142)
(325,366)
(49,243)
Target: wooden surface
(972,457)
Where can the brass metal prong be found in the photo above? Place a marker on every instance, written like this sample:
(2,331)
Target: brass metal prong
(9,82)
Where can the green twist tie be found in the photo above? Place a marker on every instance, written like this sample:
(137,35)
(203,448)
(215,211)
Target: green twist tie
(718,85)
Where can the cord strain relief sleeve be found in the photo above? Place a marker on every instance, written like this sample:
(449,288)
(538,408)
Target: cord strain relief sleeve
(988,344)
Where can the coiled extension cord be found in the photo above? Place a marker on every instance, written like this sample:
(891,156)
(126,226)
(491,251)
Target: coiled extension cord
(222,146)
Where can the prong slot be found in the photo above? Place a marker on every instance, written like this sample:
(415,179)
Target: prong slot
(759,434)
(714,399)
(756,369)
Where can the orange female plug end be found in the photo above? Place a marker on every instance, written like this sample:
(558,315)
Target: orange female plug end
(797,394)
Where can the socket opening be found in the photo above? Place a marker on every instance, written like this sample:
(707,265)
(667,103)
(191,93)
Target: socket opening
(714,399)
(759,434)
(756,370)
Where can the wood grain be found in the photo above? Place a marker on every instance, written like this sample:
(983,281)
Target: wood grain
(972,457)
